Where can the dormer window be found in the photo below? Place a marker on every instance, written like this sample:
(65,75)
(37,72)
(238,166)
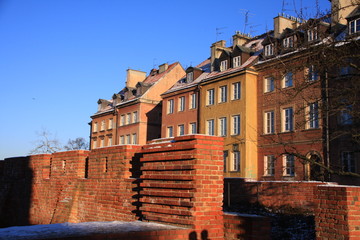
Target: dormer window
(236,61)
(269,50)
(223,65)
(312,34)
(288,42)
(189,77)
(354,26)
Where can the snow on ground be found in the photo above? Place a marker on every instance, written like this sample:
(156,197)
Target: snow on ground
(77,229)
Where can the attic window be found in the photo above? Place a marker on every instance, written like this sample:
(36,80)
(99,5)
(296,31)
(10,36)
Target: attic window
(312,34)
(288,42)
(269,50)
(189,77)
(223,65)
(354,26)
(236,61)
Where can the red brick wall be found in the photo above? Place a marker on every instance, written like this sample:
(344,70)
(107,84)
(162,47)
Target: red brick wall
(182,182)
(243,226)
(337,215)
(277,194)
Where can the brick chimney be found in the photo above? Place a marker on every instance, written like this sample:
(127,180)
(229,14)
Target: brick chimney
(340,9)
(163,67)
(240,39)
(133,77)
(216,49)
(282,22)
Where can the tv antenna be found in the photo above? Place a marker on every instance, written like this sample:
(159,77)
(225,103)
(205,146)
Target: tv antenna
(247,14)
(218,32)
(284,4)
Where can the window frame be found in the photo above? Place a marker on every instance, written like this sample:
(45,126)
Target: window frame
(313,116)
(170,131)
(354,26)
(348,162)
(170,106)
(181,107)
(289,165)
(223,94)
(210,127)
(193,128)
(269,87)
(235,125)
(269,122)
(269,165)
(135,117)
(287,119)
(312,34)
(236,89)
(193,101)
(223,65)
(288,42)
(236,61)
(210,97)
(223,127)
(181,130)
(269,49)
(235,161)
(288,80)
(190,77)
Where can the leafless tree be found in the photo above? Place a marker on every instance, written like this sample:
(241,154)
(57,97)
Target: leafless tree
(77,144)
(46,143)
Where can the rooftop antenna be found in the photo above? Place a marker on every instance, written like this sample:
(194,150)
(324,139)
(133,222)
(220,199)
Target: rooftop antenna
(283,9)
(154,63)
(218,32)
(246,16)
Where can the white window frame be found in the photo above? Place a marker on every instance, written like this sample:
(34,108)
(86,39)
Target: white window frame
(312,34)
(223,94)
(193,102)
(288,80)
(110,123)
(313,116)
(181,104)
(170,131)
(122,120)
(210,127)
(181,130)
(103,125)
(289,165)
(210,94)
(236,89)
(269,49)
(128,118)
(236,61)
(288,119)
(288,42)
(135,117)
(354,26)
(122,139)
(348,161)
(134,138)
(128,139)
(269,122)
(189,77)
(170,107)
(222,126)
(235,161)
(223,65)
(235,130)
(193,128)
(269,84)
(269,165)
(95,127)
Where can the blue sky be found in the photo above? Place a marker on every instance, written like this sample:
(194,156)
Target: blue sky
(58,57)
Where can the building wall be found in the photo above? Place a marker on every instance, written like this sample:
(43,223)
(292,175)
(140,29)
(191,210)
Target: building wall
(244,107)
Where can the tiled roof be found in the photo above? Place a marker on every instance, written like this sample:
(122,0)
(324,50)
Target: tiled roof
(154,78)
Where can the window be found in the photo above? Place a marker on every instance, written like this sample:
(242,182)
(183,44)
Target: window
(289,165)
(110,124)
(170,132)
(128,118)
(288,80)
(210,127)
(269,84)
(95,127)
(236,91)
(269,122)
(225,157)
(222,126)
(269,165)
(122,120)
(313,115)
(345,115)
(235,161)
(223,94)
(312,73)
(170,106)
(181,104)
(128,139)
(354,26)
(181,130)
(312,34)
(135,117)
(94,144)
(345,70)
(348,161)
(110,143)
(269,50)
(193,101)
(210,97)
(235,125)
(236,61)
(189,77)
(102,142)
(134,138)
(122,139)
(223,65)
(288,42)
(288,118)
(102,125)
(193,129)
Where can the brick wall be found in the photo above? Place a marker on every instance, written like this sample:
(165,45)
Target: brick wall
(276,194)
(181,183)
(337,215)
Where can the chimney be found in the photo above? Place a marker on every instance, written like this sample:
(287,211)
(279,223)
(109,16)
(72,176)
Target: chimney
(240,39)
(163,67)
(216,49)
(133,77)
(281,23)
(340,9)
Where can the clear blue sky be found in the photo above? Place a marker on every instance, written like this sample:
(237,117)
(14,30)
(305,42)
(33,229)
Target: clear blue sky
(58,57)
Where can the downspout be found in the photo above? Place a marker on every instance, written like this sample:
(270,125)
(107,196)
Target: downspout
(90,143)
